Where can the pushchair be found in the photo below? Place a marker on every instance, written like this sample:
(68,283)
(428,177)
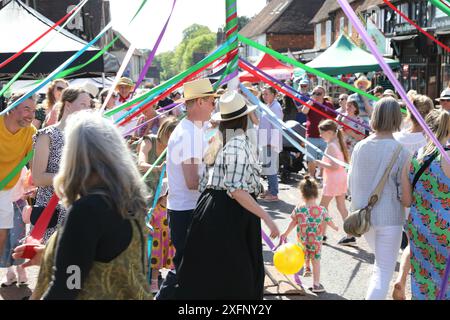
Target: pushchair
(291,159)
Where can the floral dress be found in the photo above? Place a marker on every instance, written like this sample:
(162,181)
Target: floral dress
(310,228)
(44,193)
(350,142)
(163,250)
(428,229)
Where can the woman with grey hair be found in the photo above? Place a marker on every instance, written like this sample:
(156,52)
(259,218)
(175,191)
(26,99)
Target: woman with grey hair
(102,240)
(369,161)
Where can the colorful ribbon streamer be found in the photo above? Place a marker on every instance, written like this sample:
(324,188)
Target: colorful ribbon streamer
(38,53)
(387,70)
(442,6)
(19,53)
(151,56)
(294,62)
(62,67)
(290,89)
(416,25)
(231,31)
(254,73)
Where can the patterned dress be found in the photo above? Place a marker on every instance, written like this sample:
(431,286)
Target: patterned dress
(310,227)
(429,230)
(163,250)
(44,193)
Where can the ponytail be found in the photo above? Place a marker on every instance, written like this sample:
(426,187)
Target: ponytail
(343,146)
(330,125)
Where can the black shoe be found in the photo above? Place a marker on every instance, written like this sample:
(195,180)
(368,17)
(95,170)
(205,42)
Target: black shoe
(324,239)
(347,241)
(317,289)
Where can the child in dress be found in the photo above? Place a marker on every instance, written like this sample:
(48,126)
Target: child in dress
(334,174)
(163,250)
(310,220)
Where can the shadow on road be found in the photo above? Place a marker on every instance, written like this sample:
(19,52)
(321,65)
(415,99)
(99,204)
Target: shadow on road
(15,293)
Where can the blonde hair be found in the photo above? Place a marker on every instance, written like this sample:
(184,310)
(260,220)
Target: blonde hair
(423,104)
(68,95)
(330,125)
(441,129)
(166,128)
(50,99)
(93,149)
(386,116)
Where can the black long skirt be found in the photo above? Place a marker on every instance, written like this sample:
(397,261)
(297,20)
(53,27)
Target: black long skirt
(223,254)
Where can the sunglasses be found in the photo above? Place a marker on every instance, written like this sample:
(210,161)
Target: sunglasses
(60,88)
(318,94)
(304,86)
(342,99)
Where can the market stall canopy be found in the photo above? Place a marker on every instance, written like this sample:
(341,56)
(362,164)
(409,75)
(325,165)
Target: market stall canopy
(345,57)
(20,25)
(271,66)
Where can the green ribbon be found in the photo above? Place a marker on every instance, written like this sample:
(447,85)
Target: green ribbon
(163,154)
(441,6)
(171,81)
(16,170)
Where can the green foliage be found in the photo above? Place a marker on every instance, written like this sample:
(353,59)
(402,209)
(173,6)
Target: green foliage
(196,39)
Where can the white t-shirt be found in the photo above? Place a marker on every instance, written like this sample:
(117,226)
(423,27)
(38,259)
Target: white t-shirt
(411,141)
(186,141)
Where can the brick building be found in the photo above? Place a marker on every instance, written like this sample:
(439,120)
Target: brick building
(282,25)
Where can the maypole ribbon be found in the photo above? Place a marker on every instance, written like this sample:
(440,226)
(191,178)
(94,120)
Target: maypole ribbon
(231,31)
(223,49)
(57,23)
(254,73)
(16,170)
(151,56)
(282,127)
(404,16)
(292,90)
(294,62)
(387,70)
(441,5)
(38,53)
(56,71)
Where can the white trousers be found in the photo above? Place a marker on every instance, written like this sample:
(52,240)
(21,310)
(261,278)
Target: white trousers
(384,241)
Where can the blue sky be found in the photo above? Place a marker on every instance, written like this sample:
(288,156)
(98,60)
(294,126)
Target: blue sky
(144,31)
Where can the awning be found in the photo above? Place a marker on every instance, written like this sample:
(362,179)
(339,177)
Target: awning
(345,57)
(442,32)
(271,66)
(404,38)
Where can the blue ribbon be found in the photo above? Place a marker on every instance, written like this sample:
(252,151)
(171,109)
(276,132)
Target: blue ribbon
(62,67)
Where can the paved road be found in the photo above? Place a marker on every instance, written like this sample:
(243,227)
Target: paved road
(345,270)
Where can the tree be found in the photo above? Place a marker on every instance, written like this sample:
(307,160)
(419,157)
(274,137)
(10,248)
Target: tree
(242,22)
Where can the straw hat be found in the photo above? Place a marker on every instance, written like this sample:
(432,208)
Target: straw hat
(363,79)
(390,93)
(197,89)
(124,81)
(90,88)
(250,87)
(232,106)
(445,95)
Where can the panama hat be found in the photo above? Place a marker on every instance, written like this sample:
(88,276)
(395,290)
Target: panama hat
(445,95)
(90,88)
(363,79)
(197,89)
(124,81)
(390,93)
(232,106)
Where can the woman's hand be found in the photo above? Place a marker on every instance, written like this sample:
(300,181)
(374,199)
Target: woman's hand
(274,232)
(35,261)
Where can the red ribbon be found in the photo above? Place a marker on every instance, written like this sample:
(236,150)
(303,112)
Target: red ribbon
(416,25)
(17,54)
(245,67)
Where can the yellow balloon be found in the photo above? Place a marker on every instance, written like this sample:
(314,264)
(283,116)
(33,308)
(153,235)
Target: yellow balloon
(289,258)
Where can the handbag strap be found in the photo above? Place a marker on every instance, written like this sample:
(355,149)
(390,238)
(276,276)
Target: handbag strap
(425,166)
(375,196)
(42,223)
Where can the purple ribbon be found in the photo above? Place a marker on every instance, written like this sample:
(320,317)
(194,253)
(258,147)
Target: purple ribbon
(302,95)
(150,58)
(387,70)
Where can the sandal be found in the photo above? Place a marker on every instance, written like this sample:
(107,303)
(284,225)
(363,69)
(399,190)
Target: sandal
(307,272)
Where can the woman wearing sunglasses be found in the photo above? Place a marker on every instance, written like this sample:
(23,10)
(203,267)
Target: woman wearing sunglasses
(46,115)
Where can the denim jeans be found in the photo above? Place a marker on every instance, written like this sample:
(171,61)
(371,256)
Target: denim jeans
(273,184)
(179,222)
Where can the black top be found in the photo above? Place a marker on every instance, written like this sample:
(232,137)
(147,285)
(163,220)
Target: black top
(93,231)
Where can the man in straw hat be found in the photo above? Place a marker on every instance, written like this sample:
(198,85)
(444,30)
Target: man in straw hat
(444,100)
(124,89)
(364,104)
(184,163)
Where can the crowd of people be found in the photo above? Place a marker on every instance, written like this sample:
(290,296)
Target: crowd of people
(187,174)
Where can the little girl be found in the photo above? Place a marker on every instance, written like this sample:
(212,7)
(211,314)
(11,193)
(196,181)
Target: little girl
(310,220)
(162,249)
(334,174)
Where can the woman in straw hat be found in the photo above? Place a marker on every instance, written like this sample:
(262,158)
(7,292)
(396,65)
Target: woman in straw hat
(223,254)
(364,104)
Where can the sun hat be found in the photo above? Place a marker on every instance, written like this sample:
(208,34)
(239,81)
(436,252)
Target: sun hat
(363,79)
(124,81)
(197,89)
(232,105)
